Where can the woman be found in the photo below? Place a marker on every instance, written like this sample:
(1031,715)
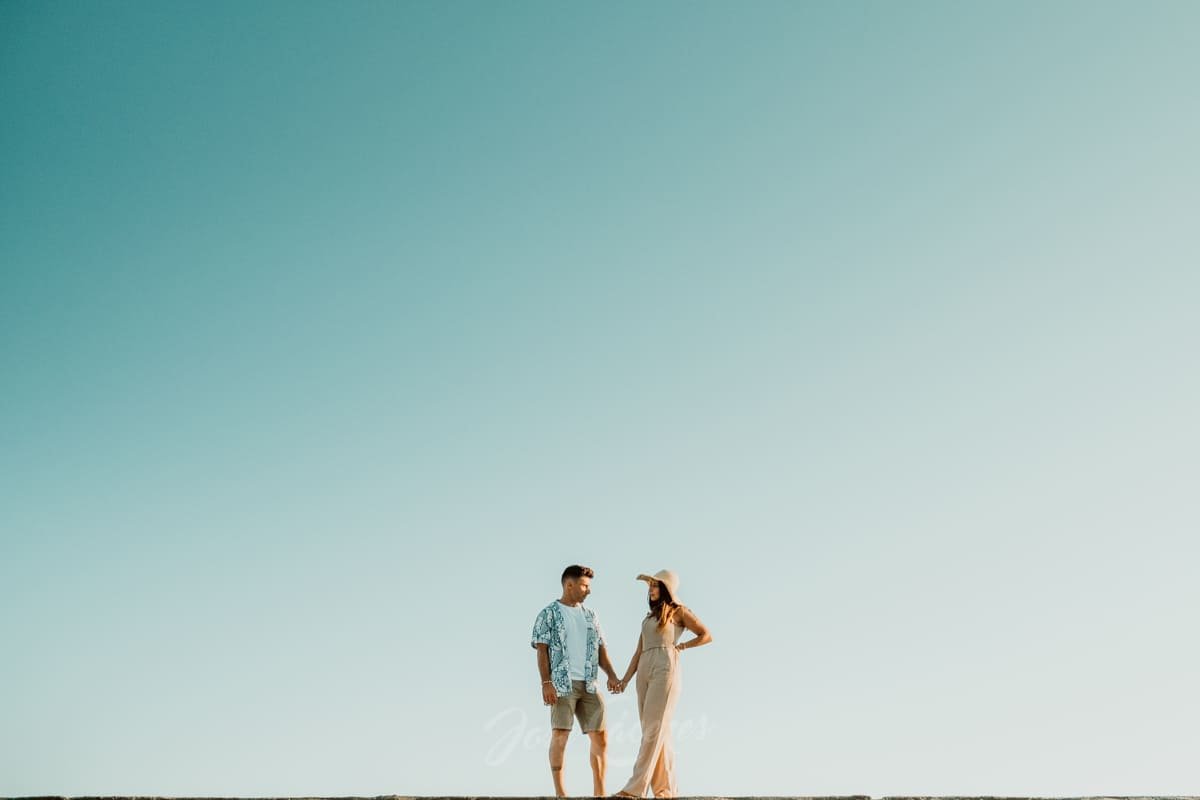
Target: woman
(656,662)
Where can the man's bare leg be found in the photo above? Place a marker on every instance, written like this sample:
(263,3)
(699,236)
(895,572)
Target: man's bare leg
(599,758)
(558,746)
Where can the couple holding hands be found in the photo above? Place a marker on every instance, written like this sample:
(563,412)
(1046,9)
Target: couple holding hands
(571,648)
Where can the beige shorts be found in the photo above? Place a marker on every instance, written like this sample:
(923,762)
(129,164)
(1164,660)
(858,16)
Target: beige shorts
(582,705)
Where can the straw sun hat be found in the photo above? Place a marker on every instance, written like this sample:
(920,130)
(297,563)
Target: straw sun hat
(668,579)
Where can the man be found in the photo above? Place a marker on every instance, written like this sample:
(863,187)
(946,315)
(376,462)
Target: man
(570,645)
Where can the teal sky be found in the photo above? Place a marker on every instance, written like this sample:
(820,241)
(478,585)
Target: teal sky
(331,332)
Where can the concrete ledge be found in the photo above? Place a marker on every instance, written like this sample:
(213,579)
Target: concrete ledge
(689,797)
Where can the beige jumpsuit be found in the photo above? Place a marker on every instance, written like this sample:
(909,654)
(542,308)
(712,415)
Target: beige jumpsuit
(657,691)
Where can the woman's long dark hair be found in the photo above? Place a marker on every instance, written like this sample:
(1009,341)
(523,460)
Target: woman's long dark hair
(664,606)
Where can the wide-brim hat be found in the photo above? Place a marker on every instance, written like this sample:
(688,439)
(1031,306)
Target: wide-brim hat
(667,578)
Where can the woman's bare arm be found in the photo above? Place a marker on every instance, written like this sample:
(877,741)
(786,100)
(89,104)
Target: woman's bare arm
(633,662)
(693,624)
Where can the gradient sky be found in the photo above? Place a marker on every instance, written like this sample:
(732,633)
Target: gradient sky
(331,332)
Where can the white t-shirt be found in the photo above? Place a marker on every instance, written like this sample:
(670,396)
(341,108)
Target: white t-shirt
(576,630)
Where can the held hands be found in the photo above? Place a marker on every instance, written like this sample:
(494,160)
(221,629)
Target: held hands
(616,686)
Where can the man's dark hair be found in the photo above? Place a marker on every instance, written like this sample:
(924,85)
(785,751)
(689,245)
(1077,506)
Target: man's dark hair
(576,571)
